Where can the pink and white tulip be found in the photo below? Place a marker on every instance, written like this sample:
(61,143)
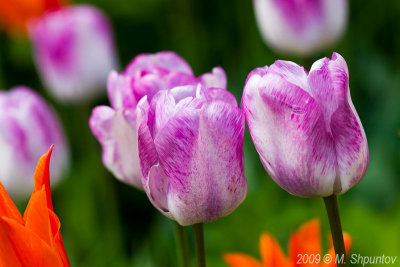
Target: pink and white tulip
(301,27)
(191,153)
(305,127)
(28,127)
(115,126)
(74,51)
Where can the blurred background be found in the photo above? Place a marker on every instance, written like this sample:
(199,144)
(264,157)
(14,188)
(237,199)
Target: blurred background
(108,223)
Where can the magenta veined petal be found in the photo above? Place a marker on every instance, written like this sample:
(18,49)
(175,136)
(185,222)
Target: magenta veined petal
(152,86)
(301,27)
(167,60)
(74,51)
(28,127)
(305,127)
(119,143)
(191,155)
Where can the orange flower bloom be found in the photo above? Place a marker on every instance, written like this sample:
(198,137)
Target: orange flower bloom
(35,239)
(306,241)
(14,14)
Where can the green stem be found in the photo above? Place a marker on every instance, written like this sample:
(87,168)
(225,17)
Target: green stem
(182,245)
(336,229)
(199,245)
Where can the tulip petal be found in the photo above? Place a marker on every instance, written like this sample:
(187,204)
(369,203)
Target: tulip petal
(7,206)
(147,150)
(219,94)
(306,241)
(57,239)
(201,154)
(25,248)
(167,60)
(158,188)
(215,79)
(42,177)
(301,160)
(37,216)
(272,253)
(347,245)
(241,260)
(119,91)
(328,82)
(74,51)
(119,142)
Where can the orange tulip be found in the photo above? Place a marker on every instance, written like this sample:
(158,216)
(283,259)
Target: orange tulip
(306,241)
(14,14)
(35,239)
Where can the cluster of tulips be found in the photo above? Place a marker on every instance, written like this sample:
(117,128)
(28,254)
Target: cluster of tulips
(179,137)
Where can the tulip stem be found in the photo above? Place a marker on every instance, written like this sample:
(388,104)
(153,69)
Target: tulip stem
(182,245)
(199,244)
(332,209)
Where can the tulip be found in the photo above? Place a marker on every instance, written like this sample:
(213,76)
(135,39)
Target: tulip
(301,27)
(190,141)
(35,239)
(304,249)
(115,126)
(28,126)
(305,127)
(74,51)
(14,15)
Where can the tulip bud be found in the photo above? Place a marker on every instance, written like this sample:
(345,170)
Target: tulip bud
(191,153)
(301,27)
(28,127)
(115,126)
(305,127)
(74,51)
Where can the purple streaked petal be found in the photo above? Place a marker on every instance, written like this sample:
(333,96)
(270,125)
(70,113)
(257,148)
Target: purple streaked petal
(162,108)
(167,60)
(217,78)
(119,144)
(300,14)
(288,130)
(301,27)
(202,155)
(147,151)
(219,94)
(291,72)
(28,127)
(177,78)
(119,91)
(74,51)
(328,81)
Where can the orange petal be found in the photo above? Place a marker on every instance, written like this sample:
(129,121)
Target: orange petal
(16,13)
(347,242)
(59,246)
(7,206)
(271,253)
(241,260)
(19,246)
(347,245)
(307,240)
(37,216)
(42,176)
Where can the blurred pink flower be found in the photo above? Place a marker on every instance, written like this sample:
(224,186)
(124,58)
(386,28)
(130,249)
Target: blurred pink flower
(301,26)
(74,51)
(28,127)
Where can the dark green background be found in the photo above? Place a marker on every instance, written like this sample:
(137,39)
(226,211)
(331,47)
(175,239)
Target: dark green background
(107,223)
